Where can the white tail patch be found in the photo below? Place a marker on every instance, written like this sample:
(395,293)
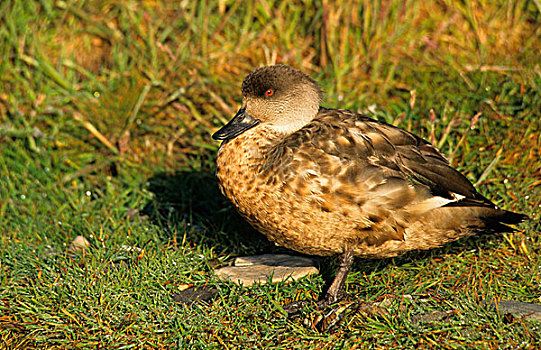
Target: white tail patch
(457,197)
(429,204)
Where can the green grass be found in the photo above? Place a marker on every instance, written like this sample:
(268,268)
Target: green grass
(106,111)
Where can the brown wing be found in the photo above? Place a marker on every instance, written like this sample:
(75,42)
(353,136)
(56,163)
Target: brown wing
(417,158)
(398,153)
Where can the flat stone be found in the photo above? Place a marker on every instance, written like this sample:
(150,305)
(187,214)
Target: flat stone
(249,270)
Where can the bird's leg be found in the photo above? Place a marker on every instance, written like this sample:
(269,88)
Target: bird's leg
(333,315)
(335,289)
(334,292)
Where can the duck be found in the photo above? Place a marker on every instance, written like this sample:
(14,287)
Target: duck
(332,182)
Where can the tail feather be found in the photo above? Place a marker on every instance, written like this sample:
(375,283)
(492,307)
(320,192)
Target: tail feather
(511,218)
(493,216)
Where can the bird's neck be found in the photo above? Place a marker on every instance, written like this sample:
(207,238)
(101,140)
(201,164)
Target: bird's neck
(250,146)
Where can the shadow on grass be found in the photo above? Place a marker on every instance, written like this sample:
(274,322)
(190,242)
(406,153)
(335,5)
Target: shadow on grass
(189,204)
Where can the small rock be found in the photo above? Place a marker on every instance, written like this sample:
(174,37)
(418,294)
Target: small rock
(518,309)
(249,270)
(78,244)
(192,294)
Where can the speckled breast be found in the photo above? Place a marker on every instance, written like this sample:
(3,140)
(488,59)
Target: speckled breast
(266,201)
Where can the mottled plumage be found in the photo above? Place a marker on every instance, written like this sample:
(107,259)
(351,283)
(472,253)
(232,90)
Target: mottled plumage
(327,181)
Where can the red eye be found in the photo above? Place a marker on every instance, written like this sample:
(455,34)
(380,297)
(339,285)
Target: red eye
(269,92)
